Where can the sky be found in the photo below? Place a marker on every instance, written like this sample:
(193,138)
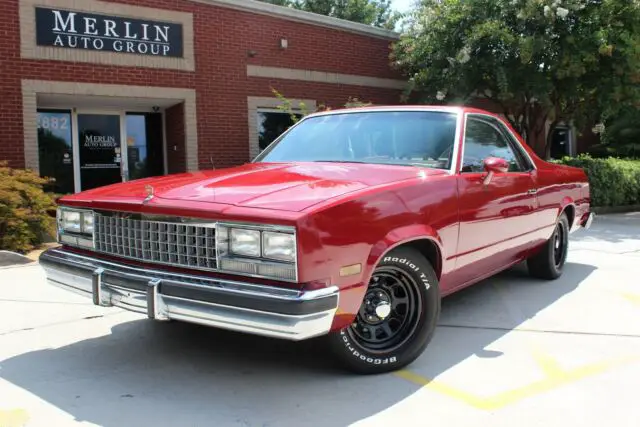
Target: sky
(402,5)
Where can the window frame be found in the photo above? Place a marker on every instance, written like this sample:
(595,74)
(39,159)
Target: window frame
(458,114)
(523,158)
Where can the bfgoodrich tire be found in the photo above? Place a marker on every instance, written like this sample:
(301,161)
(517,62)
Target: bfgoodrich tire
(548,263)
(397,317)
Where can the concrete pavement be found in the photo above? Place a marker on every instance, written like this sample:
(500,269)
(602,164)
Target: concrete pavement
(551,353)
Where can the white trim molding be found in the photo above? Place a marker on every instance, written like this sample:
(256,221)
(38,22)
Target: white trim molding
(254,103)
(323,77)
(31,88)
(291,14)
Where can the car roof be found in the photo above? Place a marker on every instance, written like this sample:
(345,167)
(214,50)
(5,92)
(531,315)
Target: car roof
(440,108)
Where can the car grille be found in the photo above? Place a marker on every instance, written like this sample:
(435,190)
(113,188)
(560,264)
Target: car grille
(161,242)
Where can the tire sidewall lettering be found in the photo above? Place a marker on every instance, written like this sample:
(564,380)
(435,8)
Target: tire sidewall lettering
(406,262)
(363,357)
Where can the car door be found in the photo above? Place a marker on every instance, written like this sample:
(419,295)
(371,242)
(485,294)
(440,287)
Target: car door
(497,213)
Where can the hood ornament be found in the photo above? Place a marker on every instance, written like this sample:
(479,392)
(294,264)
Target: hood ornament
(149,190)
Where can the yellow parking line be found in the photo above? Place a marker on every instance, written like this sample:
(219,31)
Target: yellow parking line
(13,418)
(635,299)
(555,377)
(547,363)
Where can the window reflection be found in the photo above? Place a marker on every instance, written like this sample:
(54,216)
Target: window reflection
(482,140)
(145,153)
(137,146)
(271,124)
(55,149)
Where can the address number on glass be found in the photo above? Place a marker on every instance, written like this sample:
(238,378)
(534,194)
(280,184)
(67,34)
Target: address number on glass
(53,122)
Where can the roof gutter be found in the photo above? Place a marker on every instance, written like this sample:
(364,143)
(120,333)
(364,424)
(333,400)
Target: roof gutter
(291,14)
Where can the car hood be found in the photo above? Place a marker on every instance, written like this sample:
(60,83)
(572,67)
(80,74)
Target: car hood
(288,187)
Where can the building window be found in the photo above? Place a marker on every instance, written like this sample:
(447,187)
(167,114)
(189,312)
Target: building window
(561,142)
(55,149)
(271,124)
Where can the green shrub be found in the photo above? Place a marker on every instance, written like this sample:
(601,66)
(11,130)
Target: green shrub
(613,181)
(27,212)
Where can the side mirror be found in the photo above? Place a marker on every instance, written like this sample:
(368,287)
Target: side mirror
(494,165)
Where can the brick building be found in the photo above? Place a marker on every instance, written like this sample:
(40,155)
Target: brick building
(95,92)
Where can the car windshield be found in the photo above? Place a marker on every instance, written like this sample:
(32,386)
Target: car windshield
(417,138)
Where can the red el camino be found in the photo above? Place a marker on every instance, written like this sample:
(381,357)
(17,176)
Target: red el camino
(351,226)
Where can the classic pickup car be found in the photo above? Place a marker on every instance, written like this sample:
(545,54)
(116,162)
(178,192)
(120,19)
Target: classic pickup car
(350,227)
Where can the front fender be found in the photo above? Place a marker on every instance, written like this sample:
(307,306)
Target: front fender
(398,237)
(351,298)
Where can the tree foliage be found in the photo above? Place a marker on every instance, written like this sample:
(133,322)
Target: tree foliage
(371,12)
(303,110)
(26,211)
(572,61)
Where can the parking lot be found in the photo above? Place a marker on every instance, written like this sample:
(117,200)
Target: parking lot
(556,353)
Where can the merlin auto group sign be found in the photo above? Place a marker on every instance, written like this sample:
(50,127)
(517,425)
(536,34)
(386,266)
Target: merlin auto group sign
(80,30)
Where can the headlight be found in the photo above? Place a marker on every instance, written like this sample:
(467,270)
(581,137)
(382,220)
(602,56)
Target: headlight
(257,250)
(76,221)
(71,221)
(75,227)
(278,246)
(87,222)
(245,242)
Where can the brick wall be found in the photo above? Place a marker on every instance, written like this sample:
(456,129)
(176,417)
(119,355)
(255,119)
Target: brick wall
(223,38)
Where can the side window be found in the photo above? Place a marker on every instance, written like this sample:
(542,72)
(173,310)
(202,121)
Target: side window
(483,140)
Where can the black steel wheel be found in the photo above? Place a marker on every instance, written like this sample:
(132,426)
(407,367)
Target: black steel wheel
(389,312)
(559,245)
(548,263)
(396,318)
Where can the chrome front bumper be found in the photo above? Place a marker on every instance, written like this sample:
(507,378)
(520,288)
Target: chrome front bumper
(589,220)
(256,309)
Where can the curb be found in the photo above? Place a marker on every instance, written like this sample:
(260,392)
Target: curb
(616,209)
(13,259)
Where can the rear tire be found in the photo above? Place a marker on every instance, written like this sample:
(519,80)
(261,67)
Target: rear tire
(397,318)
(548,264)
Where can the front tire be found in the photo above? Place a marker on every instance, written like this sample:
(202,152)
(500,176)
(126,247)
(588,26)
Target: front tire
(548,264)
(397,318)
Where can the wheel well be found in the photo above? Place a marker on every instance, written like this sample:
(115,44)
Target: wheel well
(430,251)
(571,214)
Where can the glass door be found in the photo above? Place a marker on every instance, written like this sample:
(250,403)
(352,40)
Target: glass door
(145,149)
(99,150)
(55,149)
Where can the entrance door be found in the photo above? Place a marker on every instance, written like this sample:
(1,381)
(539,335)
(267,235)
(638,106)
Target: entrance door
(100,150)
(145,145)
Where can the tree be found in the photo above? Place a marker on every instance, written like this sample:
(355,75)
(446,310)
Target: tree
(539,61)
(294,113)
(371,12)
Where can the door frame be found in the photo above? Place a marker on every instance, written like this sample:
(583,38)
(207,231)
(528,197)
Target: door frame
(124,161)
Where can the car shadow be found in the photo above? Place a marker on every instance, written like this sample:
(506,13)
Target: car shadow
(178,374)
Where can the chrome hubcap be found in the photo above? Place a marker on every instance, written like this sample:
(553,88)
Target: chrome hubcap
(383,309)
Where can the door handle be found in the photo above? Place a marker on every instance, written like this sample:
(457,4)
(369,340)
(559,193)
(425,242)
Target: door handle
(532,191)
